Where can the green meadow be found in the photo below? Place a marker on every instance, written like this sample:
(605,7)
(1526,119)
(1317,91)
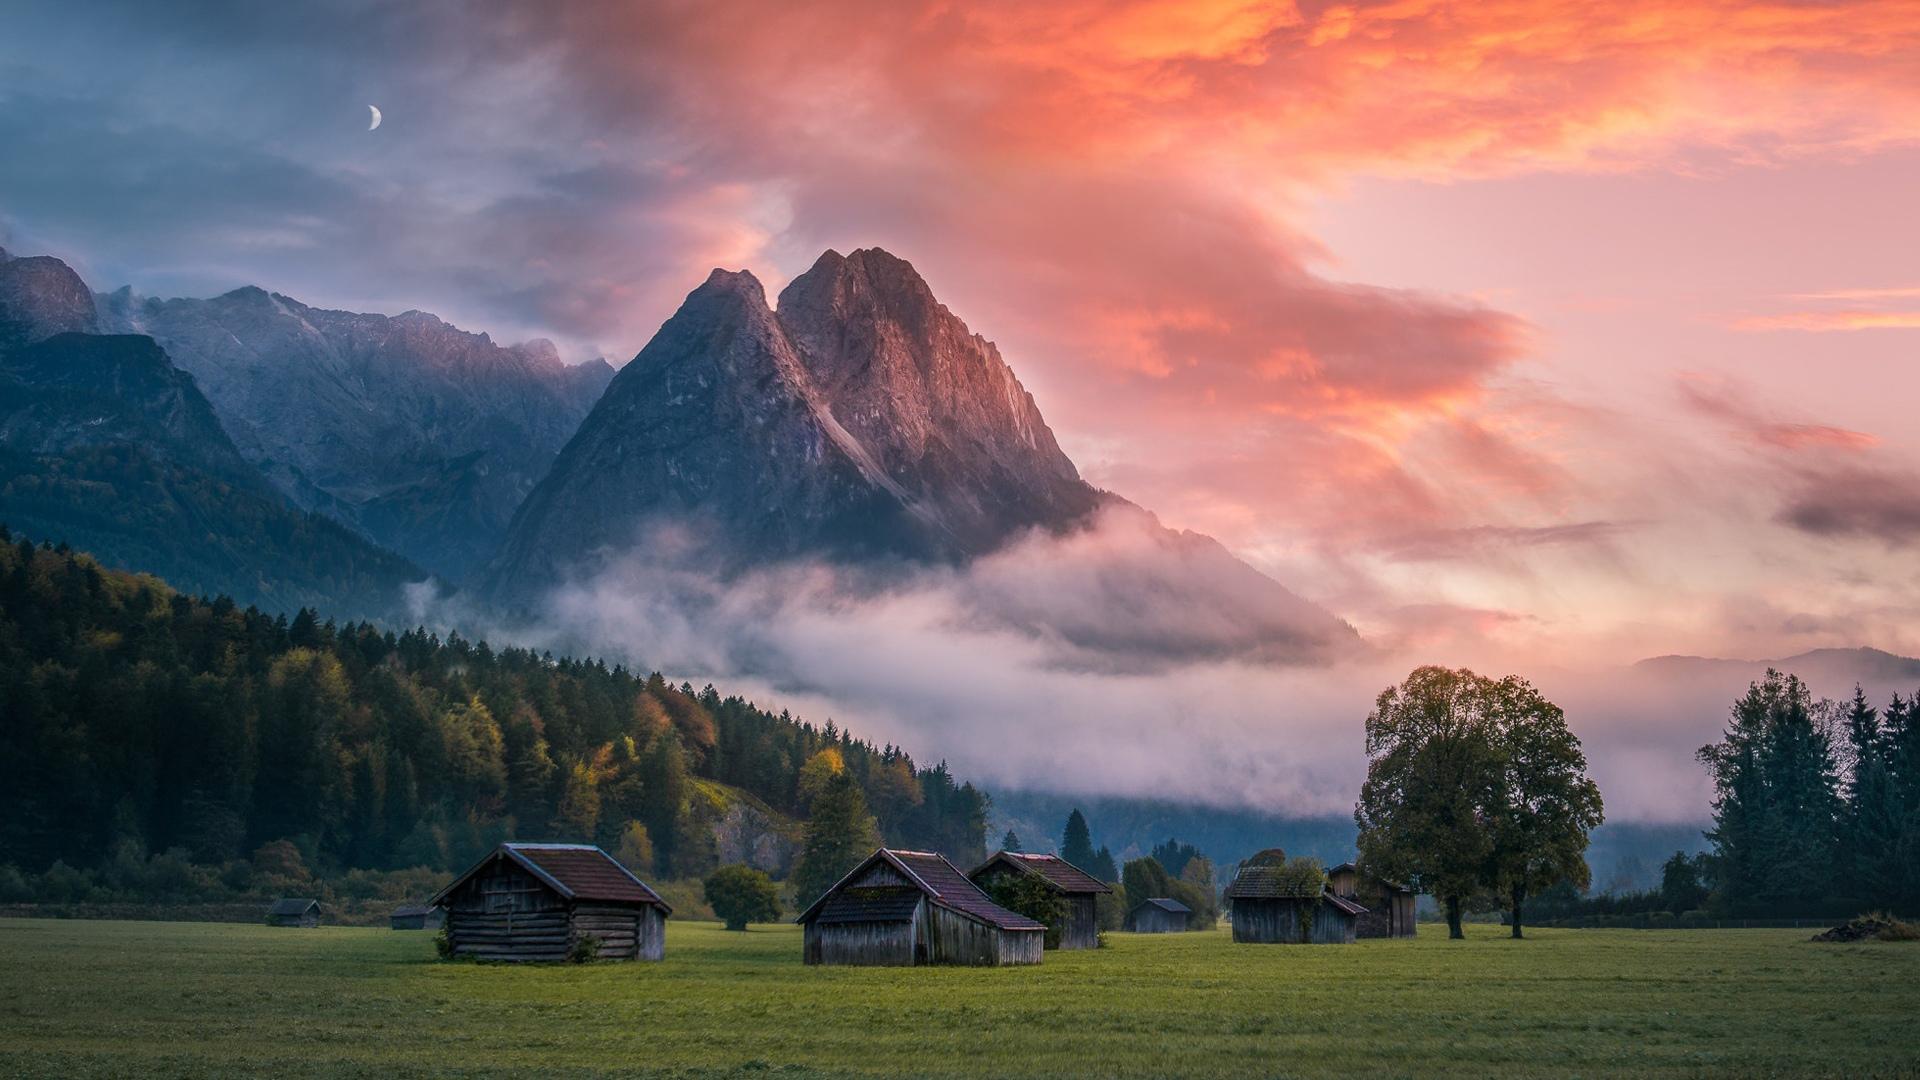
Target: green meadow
(196,999)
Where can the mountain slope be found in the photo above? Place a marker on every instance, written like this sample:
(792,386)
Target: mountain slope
(105,445)
(864,425)
(420,435)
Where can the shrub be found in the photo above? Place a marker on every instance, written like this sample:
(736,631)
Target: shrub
(1893,929)
(585,949)
(741,894)
(443,944)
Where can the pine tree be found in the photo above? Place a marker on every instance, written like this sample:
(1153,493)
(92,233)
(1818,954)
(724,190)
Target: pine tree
(840,834)
(1076,842)
(1010,842)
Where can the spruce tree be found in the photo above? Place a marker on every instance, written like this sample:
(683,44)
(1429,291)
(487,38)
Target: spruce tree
(1076,843)
(840,834)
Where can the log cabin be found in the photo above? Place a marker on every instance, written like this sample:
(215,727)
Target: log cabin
(537,902)
(904,908)
(1266,910)
(1077,888)
(1389,906)
(1158,915)
(417,917)
(294,911)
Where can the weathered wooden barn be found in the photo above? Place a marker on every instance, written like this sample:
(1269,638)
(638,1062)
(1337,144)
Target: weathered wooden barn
(1158,915)
(534,902)
(914,907)
(1389,906)
(1079,889)
(1266,909)
(294,911)
(418,917)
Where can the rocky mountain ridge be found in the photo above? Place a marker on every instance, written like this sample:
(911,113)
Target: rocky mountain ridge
(421,436)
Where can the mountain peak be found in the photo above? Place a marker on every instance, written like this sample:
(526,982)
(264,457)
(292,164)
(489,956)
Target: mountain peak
(734,282)
(41,296)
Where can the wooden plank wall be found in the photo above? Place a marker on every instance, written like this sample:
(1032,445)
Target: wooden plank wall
(1278,922)
(869,944)
(505,913)
(1082,930)
(953,938)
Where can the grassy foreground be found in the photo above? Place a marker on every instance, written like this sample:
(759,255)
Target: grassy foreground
(125,998)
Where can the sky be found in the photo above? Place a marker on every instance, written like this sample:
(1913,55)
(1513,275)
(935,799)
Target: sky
(1532,333)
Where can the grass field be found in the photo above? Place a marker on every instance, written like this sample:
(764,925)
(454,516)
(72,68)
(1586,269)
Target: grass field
(129,998)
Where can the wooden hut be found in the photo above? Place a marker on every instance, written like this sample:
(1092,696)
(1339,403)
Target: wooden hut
(1159,915)
(537,901)
(294,911)
(1268,910)
(914,907)
(1078,888)
(418,917)
(1389,906)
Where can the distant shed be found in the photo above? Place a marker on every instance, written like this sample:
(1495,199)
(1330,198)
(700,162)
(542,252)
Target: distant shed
(1158,915)
(905,908)
(294,911)
(534,902)
(1389,906)
(1266,910)
(1078,888)
(418,917)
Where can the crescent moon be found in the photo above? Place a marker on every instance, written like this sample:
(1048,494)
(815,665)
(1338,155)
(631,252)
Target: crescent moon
(375,110)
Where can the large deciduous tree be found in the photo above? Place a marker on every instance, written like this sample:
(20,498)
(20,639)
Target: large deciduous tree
(1543,805)
(1431,773)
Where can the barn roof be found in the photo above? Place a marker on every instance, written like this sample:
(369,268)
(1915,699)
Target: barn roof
(575,871)
(1343,903)
(1263,883)
(939,880)
(405,910)
(293,906)
(1055,870)
(1166,904)
(1355,869)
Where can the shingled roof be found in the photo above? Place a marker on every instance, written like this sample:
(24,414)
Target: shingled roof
(939,880)
(1167,904)
(292,906)
(1055,870)
(575,871)
(1265,883)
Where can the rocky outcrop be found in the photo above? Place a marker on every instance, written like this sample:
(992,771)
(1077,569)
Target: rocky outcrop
(421,436)
(40,296)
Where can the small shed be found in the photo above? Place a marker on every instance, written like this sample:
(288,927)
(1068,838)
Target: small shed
(904,908)
(294,911)
(1267,910)
(1389,905)
(533,902)
(1078,888)
(1159,915)
(418,917)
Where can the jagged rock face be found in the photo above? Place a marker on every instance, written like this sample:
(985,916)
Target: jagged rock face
(937,409)
(863,423)
(40,296)
(714,426)
(421,436)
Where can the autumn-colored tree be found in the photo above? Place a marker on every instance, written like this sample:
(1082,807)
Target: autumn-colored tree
(839,834)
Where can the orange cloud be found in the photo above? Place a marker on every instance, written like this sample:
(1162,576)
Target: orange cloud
(1825,321)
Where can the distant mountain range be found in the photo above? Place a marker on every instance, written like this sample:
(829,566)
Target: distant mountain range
(419,435)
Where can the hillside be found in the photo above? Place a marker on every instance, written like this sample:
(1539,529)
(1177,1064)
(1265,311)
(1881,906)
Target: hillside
(156,722)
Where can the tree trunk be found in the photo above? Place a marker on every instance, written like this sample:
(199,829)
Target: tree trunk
(1453,919)
(1519,897)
